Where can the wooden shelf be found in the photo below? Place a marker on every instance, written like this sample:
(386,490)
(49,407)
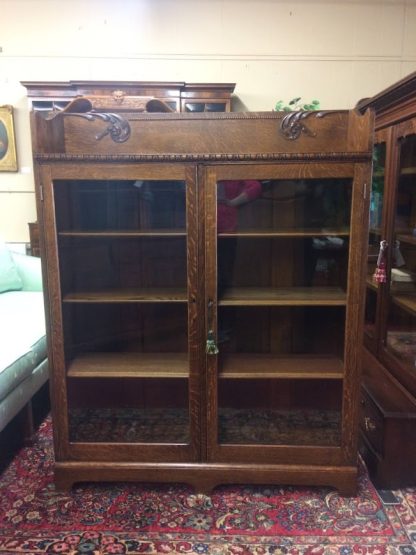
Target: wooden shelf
(298,232)
(289,296)
(129,365)
(122,233)
(406,238)
(410,170)
(176,365)
(250,296)
(129,295)
(407,302)
(375,230)
(371,284)
(266,366)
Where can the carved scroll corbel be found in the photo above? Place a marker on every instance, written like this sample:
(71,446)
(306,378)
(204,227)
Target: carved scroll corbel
(118,128)
(293,124)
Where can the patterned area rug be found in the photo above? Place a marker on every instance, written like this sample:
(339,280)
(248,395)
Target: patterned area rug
(311,427)
(236,520)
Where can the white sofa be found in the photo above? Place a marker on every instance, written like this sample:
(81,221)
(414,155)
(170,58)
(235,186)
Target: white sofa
(23,358)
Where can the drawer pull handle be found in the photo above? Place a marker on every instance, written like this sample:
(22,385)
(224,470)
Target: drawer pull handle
(369,424)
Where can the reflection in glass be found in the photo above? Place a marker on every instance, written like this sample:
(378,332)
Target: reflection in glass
(271,422)
(282,268)
(282,234)
(375,218)
(401,326)
(135,266)
(110,205)
(205,107)
(128,371)
(123,262)
(281,204)
(280,427)
(134,422)
(377,186)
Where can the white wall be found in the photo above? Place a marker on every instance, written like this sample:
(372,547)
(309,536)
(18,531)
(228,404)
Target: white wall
(337,51)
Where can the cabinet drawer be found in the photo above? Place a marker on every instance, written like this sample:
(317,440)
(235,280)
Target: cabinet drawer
(371,422)
(370,457)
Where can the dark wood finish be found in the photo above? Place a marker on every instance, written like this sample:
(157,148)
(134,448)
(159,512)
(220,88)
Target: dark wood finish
(130,96)
(387,427)
(128,326)
(34,238)
(128,296)
(393,104)
(389,384)
(204,476)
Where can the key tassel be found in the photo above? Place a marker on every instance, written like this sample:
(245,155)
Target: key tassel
(380,275)
(211,348)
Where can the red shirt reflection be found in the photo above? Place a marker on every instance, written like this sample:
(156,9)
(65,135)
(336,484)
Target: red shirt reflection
(231,195)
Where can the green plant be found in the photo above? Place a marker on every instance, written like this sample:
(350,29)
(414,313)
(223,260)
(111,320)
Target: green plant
(296,105)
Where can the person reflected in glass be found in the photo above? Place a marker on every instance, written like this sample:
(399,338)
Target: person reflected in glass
(231,195)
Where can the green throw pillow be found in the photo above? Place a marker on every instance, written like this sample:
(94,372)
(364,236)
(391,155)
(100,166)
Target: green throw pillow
(9,276)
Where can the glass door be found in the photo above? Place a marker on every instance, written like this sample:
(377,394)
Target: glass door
(125,309)
(277,287)
(375,238)
(400,336)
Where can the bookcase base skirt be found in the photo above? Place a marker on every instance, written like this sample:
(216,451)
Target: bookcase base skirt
(205,477)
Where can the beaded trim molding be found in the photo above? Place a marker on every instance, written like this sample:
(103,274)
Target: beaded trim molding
(204,157)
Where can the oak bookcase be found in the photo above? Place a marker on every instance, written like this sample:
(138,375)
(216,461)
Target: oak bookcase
(186,349)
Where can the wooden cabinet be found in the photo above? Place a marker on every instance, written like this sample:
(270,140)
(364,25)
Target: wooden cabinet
(197,97)
(126,96)
(390,321)
(205,279)
(388,427)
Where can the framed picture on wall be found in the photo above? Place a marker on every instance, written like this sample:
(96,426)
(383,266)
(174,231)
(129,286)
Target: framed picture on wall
(8,159)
